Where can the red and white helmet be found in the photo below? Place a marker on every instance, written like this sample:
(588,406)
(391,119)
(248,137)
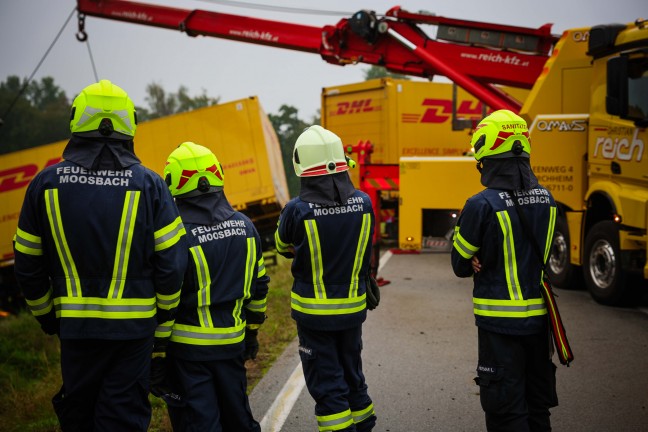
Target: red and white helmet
(318,152)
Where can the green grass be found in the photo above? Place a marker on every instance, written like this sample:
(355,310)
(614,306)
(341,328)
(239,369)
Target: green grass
(30,372)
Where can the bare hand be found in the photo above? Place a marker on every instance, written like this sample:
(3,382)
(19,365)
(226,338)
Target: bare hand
(476,265)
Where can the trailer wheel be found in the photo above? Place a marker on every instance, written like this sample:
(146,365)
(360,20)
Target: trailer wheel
(605,279)
(561,271)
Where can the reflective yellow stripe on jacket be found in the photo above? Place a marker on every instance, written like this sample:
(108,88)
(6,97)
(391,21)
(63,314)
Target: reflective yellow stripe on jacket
(28,243)
(516,306)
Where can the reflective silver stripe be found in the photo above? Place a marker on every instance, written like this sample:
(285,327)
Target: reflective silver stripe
(359,255)
(56,225)
(28,243)
(509,255)
(316,258)
(177,230)
(462,246)
(329,306)
(335,422)
(362,415)
(124,244)
(204,285)
(207,336)
(550,232)
(103,307)
(504,308)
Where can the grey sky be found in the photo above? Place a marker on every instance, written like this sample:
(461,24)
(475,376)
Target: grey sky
(133,55)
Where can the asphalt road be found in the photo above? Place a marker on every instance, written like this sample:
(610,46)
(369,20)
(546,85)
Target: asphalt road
(420,355)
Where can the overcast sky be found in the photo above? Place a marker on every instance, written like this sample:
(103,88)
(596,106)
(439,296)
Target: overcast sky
(134,55)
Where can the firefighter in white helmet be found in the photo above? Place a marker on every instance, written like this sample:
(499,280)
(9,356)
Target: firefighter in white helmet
(222,305)
(327,231)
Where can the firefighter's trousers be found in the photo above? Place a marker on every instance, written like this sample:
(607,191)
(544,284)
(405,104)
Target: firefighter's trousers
(214,397)
(332,366)
(105,385)
(517,381)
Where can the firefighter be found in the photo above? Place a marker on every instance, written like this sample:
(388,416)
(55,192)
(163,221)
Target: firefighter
(327,231)
(100,252)
(223,300)
(493,245)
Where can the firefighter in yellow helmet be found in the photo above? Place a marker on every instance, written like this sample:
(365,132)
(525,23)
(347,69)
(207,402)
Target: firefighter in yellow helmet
(494,242)
(100,253)
(327,231)
(222,305)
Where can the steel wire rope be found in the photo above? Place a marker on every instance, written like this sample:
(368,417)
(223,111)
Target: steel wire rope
(94,69)
(24,87)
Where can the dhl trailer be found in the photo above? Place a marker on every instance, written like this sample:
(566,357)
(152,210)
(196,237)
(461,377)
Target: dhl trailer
(238,132)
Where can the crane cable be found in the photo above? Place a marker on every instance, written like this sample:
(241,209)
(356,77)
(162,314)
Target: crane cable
(24,87)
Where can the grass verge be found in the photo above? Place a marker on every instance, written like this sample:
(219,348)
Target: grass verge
(30,372)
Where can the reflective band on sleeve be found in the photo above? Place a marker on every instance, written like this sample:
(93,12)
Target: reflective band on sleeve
(28,243)
(257,305)
(363,240)
(509,308)
(281,246)
(550,231)
(42,305)
(169,235)
(204,286)
(510,261)
(362,415)
(72,281)
(194,335)
(261,267)
(122,254)
(328,306)
(335,422)
(316,258)
(464,248)
(164,330)
(168,301)
(95,307)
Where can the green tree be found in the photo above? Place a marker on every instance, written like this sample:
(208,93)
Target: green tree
(40,115)
(380,72)
(162,104)
(289,126)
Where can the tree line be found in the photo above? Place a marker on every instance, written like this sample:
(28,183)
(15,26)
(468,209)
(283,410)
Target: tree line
(38,112)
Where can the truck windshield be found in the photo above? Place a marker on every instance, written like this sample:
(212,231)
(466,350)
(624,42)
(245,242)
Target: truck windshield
(638,89)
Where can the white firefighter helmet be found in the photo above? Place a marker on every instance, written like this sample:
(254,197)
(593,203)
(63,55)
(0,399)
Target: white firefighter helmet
(318,152)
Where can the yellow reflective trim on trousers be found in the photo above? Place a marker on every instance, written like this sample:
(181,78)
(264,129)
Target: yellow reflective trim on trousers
(169,235)
(42,305)
(509,308)
(510,262)
(462,246)
(328,306)
(98,307)
(280,245)
(28,243)
(124,241)
(362,415)
(334,422)
(204,286)
(72,282)
(316,258)
(363,240)
(550,232)
(194,335)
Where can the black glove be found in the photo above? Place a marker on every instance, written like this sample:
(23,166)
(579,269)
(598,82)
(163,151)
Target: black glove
(373,294)
(251,344)
(159,381)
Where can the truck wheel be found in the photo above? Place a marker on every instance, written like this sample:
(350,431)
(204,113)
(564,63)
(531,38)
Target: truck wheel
(604,277)
(562,273)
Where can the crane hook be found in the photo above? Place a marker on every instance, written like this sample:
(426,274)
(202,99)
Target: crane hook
(81,35)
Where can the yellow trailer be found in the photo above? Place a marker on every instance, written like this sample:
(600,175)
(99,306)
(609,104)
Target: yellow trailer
(239,132)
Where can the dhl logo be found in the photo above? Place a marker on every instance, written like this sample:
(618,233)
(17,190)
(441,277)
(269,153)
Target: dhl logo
(19,177)
(436,110)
